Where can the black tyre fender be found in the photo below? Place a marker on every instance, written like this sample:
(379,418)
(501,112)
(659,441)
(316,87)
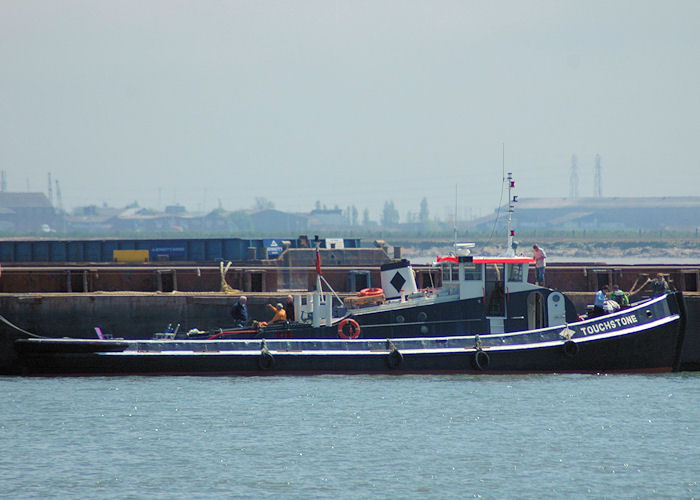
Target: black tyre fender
(266,360)
(481,360)
(394,359)
(570,348)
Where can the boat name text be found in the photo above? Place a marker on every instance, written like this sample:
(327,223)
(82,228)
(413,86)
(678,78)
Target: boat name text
(611,324)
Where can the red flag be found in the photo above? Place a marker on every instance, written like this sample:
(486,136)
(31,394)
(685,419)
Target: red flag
(318,262)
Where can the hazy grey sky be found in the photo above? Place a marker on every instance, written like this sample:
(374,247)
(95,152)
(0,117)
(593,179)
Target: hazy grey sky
(347,102)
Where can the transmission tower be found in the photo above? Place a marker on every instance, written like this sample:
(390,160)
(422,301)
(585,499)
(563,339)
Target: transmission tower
(573,177)
(598,178)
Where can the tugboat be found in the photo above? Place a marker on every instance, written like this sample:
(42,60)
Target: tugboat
(647,337)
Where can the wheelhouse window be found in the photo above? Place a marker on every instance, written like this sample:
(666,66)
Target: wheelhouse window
(472,272)
(515,272)
(494,272)
(450,272)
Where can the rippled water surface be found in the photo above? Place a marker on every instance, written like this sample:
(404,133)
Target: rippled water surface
(543,436)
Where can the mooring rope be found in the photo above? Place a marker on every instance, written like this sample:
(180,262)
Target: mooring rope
(225,287)
(12,325)
(633,291)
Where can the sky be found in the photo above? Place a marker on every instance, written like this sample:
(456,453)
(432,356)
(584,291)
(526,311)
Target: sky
(218,103)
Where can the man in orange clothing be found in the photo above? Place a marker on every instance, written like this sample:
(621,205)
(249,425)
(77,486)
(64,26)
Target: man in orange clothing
(280,314)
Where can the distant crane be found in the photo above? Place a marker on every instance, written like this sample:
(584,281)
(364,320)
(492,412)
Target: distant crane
(50,190)
(59,199)
(3,181)
(598,178)
(573,177)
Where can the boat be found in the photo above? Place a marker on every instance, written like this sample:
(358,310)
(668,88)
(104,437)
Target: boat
(647,338)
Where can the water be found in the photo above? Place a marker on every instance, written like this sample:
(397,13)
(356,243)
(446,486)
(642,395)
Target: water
(539,436)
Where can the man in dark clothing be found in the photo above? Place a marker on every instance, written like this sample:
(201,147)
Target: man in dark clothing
(289,308)
(239,311)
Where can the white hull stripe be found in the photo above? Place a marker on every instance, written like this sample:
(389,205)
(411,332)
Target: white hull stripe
(407,351)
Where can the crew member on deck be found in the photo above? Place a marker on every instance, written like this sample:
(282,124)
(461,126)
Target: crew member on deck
(599,305)
(239,311)
(620,297)
(280,314)
(289,308)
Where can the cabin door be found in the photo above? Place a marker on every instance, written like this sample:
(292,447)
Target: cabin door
(556,309)
(495,291)
(535,311)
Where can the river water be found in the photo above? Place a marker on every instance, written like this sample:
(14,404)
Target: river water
(537,436)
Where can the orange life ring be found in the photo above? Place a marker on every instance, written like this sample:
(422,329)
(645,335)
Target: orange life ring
(353,329)
(365,292)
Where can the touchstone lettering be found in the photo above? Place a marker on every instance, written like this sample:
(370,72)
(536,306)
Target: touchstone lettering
(608,325)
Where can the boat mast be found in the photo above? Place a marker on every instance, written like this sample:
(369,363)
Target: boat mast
(317,244)
(510,251)
(454,224)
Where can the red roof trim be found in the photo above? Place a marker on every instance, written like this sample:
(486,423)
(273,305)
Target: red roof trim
(503,260)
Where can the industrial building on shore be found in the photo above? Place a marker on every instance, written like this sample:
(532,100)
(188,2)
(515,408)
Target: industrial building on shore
(598,213)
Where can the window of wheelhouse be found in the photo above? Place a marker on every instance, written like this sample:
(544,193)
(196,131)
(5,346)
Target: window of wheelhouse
(494,272)
(450,272)
(472,272)
(515,272)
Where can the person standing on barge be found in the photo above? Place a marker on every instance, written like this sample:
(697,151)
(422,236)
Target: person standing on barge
(659,285)
(539,255)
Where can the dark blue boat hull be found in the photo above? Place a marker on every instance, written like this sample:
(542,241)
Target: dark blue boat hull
(644,339)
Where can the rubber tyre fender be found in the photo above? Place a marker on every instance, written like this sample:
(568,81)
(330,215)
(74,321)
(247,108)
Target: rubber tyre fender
(481,360)
(266,361)
(394,359)
(570,348)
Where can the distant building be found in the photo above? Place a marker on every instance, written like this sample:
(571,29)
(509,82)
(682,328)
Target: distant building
(144,223)
(275,221)
(91,219)
(607,214)
(28,213)
(327,218)
(175,210)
